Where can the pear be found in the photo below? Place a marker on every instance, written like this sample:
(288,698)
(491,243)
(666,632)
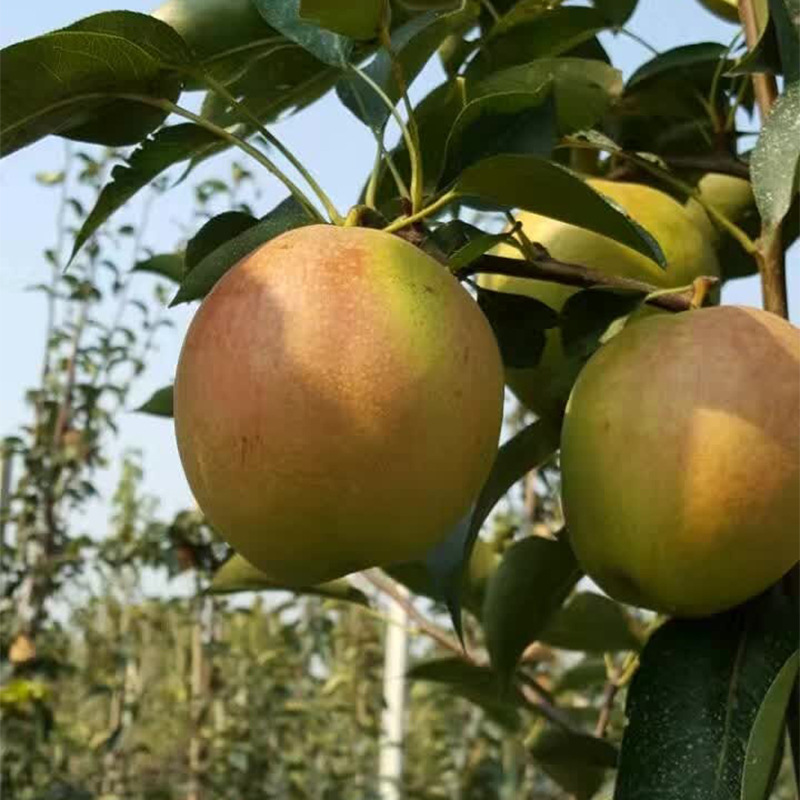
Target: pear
(338,403)
(680,459)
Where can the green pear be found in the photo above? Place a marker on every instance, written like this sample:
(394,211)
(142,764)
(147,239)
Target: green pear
(680,460)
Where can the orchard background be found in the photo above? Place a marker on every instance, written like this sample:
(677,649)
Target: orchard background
(142,687)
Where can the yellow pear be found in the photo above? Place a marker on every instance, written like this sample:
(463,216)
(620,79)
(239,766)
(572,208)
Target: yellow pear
(731,196)
(681,460)
(688,253)
(338,402)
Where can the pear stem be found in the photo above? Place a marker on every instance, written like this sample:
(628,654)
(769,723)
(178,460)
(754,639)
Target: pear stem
(245,112)
(231,138)
(442,201)
(415,152)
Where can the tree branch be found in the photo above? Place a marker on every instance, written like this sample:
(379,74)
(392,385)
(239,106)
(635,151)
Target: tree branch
(544,267)
(724,165)
(769,253)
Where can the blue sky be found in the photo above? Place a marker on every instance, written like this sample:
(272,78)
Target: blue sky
(327,139)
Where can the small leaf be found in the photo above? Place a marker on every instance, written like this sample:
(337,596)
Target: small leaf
(167,265)
(535,184)
(450,237)
(695,699)
(239,575)
(586,315)
(474,248)
(287,215)
(519,324)
(216,232)
(477,684)
(767,734)
(511,122)
(159,404)
(529,449)
(592,623)
(328,47)
(532,581)
(156,154)
(776,159)
(356,20)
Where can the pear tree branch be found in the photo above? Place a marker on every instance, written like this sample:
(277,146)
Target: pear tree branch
(541,266)
(769,253)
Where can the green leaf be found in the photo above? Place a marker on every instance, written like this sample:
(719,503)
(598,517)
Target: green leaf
(694,702)
(785,17)
(287,215)
(529,449)
(663,109)
(532,581)
(618,12)
(356,20)
(584,89)
(586,316)
(328,47)
(413,44)
(239,575)
(576,761)
(549,34)
(474,249)
(65,82)
(477,684)
(159,404)
(535,184)
(592,623)
(682,59)
(511,122)
(483,561)
(461,243)
(775,162)
(450,237)
(589,673)
(166,265)
(519,324)
(215,233)
(766,737)
(156,154)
